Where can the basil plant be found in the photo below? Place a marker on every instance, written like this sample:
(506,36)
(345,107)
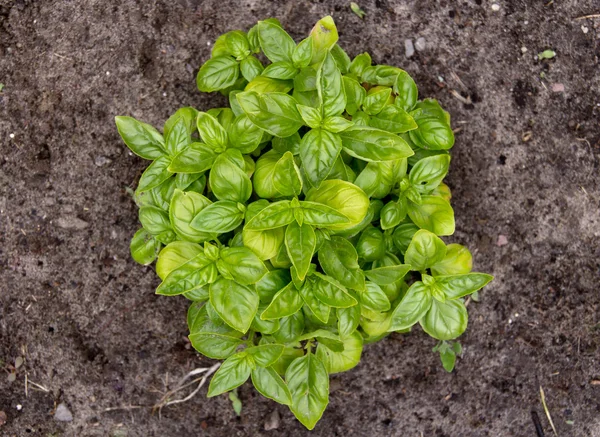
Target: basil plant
(304,221)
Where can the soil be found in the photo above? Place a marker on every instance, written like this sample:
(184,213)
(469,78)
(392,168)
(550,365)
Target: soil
(85,318)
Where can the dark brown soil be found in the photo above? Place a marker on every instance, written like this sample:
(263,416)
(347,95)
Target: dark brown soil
(84,315)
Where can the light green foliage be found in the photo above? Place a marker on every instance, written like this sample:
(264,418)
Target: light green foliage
(304,222)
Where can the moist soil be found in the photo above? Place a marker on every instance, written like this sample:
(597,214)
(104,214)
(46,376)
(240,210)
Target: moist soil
(525,183)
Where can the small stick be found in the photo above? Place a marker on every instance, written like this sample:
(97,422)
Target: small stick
(538,425)
(466,101)
(41,387)
(546,410)
(587,16)
(127,407)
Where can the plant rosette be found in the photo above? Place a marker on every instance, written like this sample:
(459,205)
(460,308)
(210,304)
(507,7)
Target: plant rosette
(303,221)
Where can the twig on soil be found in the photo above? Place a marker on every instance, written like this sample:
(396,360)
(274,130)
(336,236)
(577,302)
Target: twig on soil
(587,16)
(546,410)
(126,407)
(465,100)
(164,401)
(538,425)
(39,386)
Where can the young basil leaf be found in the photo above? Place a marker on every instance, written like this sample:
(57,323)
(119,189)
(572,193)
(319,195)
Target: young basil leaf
(264,175)
(280,70)
(250,67)
(178,137)
(341,171)
(236,304)
(448,358)
(217,341)
(393,213)
(311,116)
(286,302)
(271,283)
(431,107)
(174,256)
(434,214)
(287,179)
(275,42)
(141,138)
(359,64)
(290,328)
(288,144)
(456,286)
(370,180)
(196,158)
(377,98)
(262,85)
(348,358)
(274,112)
(331,292)
(393,119)
(445,321)
(228,181)
(219,217)
(185,206)
(275,215)
(320,215)
(237,44)
(403,235)
(429,172)
(194,274)
(241,264)
(265,327)
(184,181)
(324,36)
(387,275)
(154,220)
(413,306)
(339,259)
(383,75)
(371,245)
(330,88)
(432,134)
(270,385)
(406,90)
(265,355)
(425,250)
(344,197)
(155,174)
(317,308)
(337,124)
(188,114)
(342,59)
(234,371)
(144,247)
(348,320)
(303,53)
(217,73)
(374,298)
(318,151)
(370,144)
(458,261)
(355,95)
(265,244)
(244,135)
(309,385)
(211,131)
(300,241)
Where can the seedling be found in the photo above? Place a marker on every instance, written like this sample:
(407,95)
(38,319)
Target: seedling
(303,221)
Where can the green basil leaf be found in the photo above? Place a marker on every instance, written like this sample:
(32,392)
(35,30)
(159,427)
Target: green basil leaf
(265,355)
(371,245)
(359,64)
(303,53)
(348,320)
(178,137)
(339,259)
(265,327)
(320,215)
(286,302)
(330,88)
(458,261)
(311,116)
(265,244)
(270,385)
(276,44)
(331,292)
(432,134)
(262,85)
(235,303)
(393,119)
(370,144)
(155,174)
(245,135)
(271,283)
(194,274)
(429,172)
(211,131)
(403,235)
(300,241)
(288,144)
(274,112)
(228,181)
(234,371)
(217,73)
(185,205)
(377,98)
(337,124)
(318,151)
(237,44)
(183,181)
(144,247)
(188,114)
(355,94)
(344,197)
(287,179)
(342,59)
(434,214)
(280,70)
(324,36)
(141,138)
(348,358)
(290,328)
(425,250)
(309,385)
(448,358)
(406,90)
(341,171)
(264,175)
(374,298)
(383,75)
(250,68)
(215,346)
(220,47)
(456,286)
(320,310)
(241,264)
(431,107)
(445,321)
(387,275)
(275,215)
(196,158)
(154,220)
(174,256)
(393,213)
(370,180)
(412,308)
(219,217)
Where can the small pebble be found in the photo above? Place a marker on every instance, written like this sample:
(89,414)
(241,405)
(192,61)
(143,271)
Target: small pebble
(558,88)
(502,240)
(70,222)
(523,49)
(101,160)
(189,68)
(584,28)
(19,407)
(165,94)
(495,7)
(420,44)
(12,136)
(108,73)
(272,421)
(409,48)
(62,413)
